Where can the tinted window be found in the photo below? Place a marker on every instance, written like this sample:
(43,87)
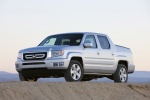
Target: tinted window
(62,39)
(104,42)
(91,38)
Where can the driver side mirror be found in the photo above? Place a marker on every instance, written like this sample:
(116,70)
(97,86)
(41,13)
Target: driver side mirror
(88,44)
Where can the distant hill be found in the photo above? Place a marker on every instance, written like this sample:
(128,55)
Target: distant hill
(3,72)
(136,77)
(145,74)
(6,76)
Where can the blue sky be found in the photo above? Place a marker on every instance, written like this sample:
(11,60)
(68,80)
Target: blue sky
(25,23)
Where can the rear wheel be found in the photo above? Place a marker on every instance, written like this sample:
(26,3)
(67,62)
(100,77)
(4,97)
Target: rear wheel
(22,78)
(74,71)
(121,75)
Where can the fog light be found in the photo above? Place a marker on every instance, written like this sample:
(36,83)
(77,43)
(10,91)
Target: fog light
(55,64)
(61,63)
(17,65)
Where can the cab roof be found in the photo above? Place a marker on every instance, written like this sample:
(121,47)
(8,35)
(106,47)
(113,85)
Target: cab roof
(93,33)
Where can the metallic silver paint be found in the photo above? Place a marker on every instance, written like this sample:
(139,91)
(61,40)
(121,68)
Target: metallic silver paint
(95,60)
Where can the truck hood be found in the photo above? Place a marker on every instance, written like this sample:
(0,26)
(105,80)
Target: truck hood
(43,48)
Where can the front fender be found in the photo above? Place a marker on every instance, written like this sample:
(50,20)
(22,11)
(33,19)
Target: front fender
(74,54)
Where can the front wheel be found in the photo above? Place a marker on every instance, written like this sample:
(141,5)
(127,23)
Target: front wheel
(23,78)
(121,75)
(74,71)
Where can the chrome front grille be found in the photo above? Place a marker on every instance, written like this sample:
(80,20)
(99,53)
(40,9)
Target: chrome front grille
(35,56)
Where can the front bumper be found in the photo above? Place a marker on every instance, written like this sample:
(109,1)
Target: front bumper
(47,63)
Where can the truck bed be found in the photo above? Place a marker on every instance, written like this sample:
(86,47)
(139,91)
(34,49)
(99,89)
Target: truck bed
(122,49)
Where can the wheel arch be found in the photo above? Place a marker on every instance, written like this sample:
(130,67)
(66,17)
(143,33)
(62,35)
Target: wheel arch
(78,58)
(124,62)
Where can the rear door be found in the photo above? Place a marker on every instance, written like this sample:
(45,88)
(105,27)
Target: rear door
(106,54)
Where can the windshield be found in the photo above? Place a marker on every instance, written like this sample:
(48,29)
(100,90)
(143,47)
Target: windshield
(62,39)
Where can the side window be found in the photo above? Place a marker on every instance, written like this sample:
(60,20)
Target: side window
(104,42)
(92,39)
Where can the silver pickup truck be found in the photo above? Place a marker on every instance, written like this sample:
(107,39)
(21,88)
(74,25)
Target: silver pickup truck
(78,56)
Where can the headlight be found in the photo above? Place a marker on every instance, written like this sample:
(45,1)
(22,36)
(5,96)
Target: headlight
(57,53)
(20,55)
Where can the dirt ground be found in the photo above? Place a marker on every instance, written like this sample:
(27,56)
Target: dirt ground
(73,91)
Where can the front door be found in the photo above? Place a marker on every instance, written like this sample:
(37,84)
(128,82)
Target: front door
(91,55)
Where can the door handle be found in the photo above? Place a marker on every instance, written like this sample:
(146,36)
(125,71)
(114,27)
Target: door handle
(98,53)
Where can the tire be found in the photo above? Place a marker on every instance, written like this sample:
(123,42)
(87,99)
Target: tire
(74,72)
(22,78)
(121,75)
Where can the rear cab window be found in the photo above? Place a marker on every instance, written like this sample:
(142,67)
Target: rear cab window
(104,43)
